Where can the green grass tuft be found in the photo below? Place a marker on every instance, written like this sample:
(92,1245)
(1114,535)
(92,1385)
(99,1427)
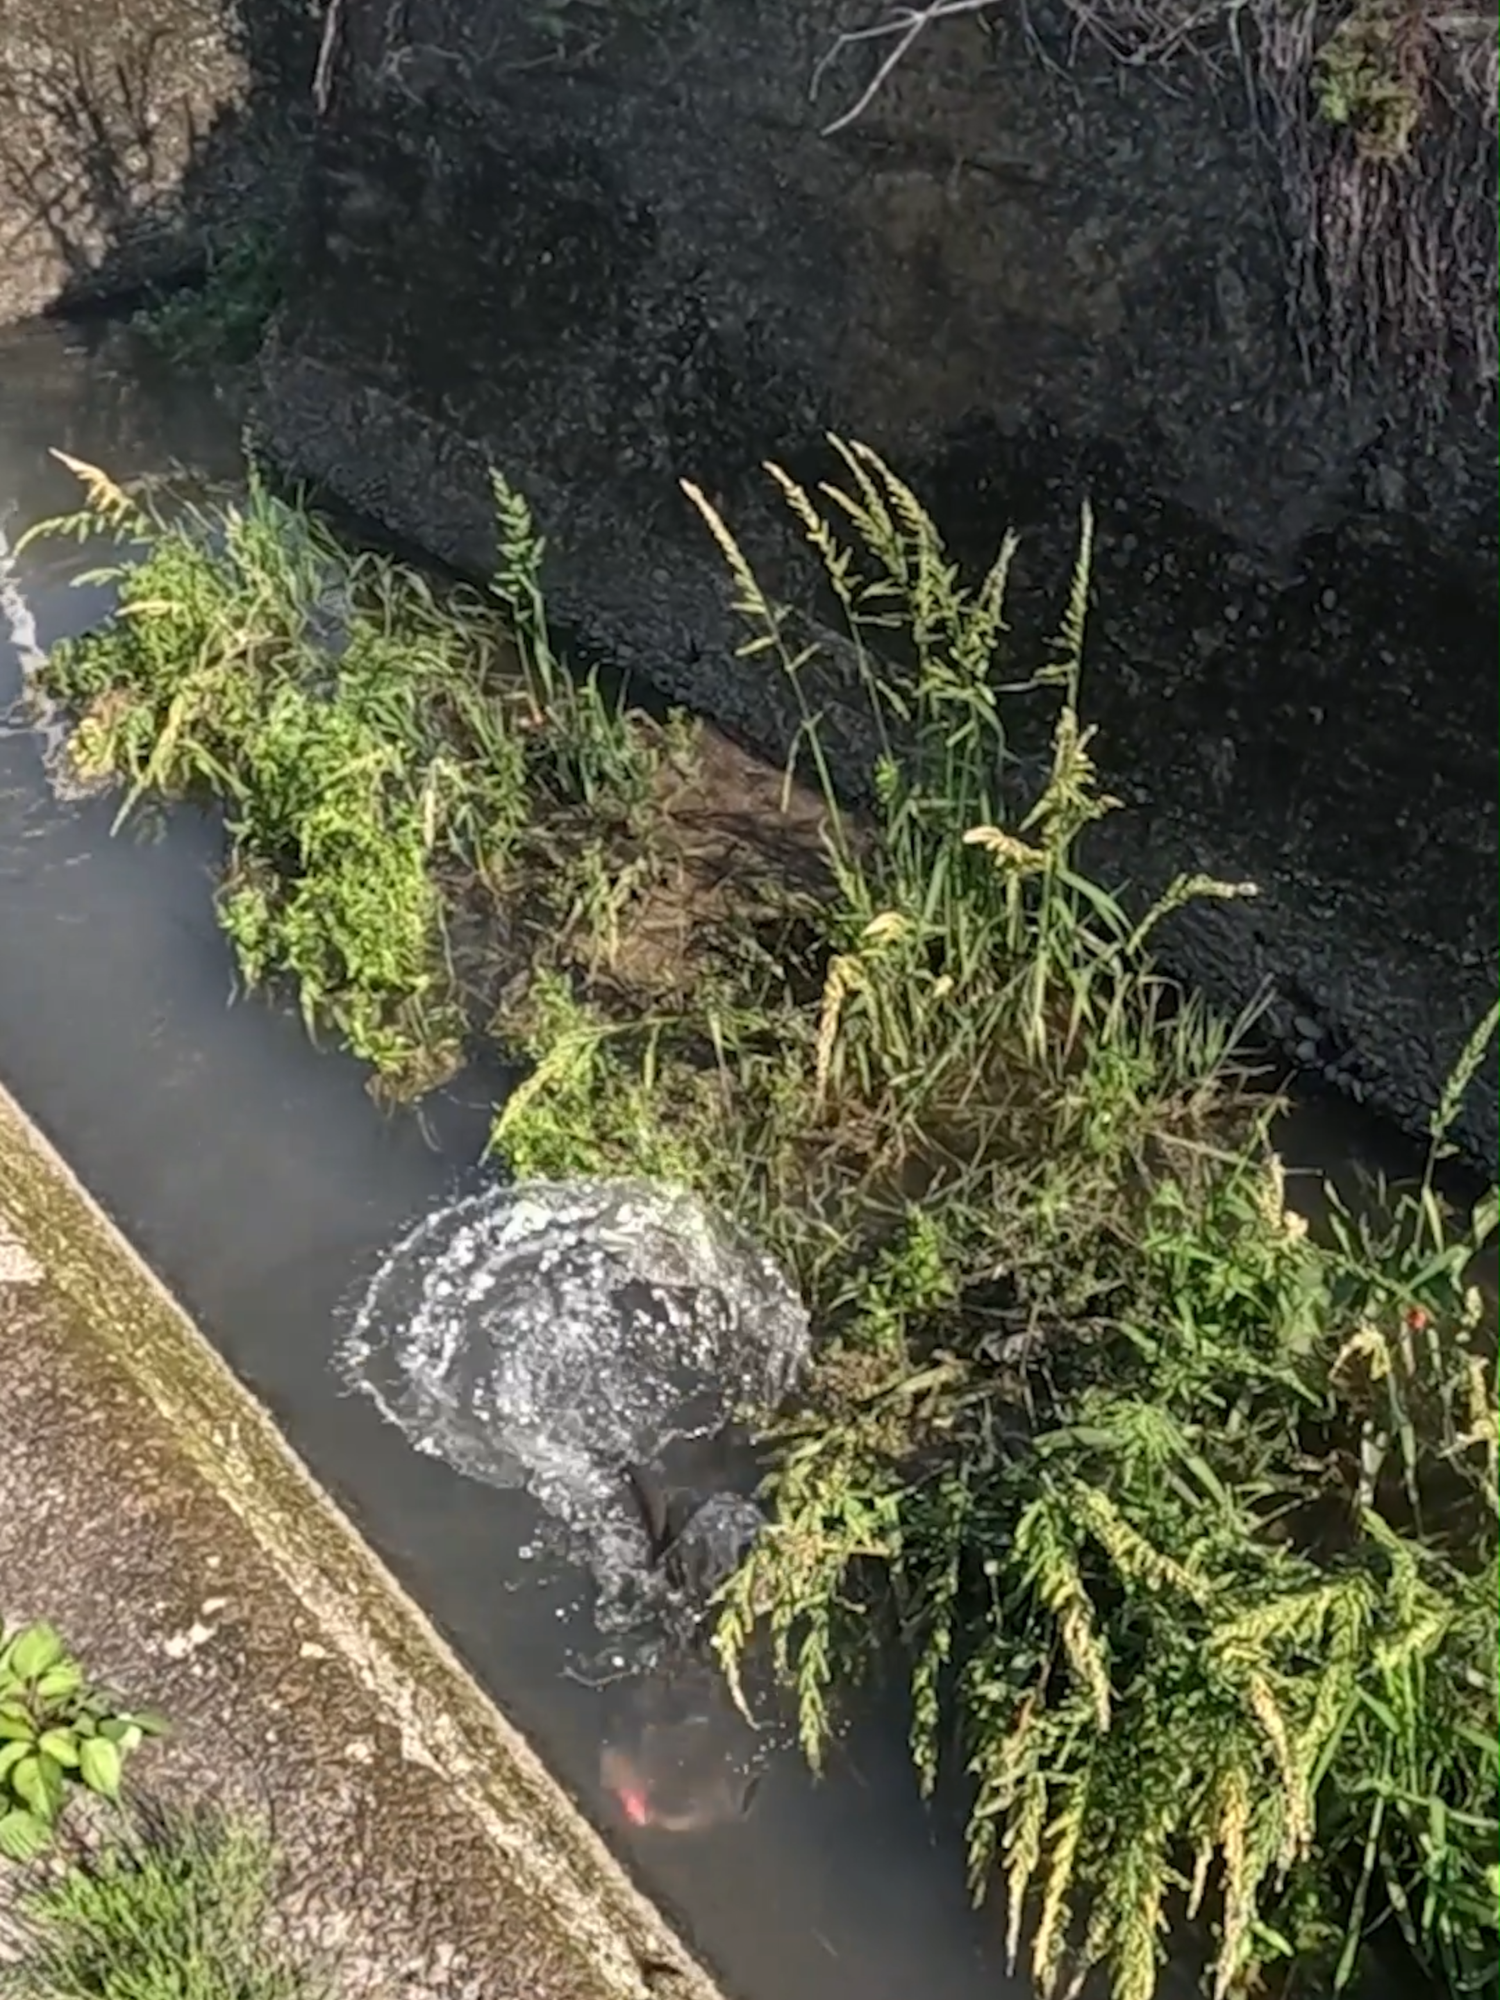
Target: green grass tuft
(223,320)
(378,746)
(182,1909)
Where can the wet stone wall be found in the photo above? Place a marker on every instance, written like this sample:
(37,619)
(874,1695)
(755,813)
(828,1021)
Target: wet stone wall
(640,260)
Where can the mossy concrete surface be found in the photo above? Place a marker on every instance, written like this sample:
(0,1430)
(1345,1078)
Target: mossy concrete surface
(150,1508)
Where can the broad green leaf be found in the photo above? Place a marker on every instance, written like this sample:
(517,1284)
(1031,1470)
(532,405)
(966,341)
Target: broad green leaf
(36,1649)
(29,1784)
(54,1782)
(60,1681)
(99,1765)
(61,1744)
(130,1729)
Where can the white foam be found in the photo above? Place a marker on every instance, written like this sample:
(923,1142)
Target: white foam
(36,712)
(544,1333)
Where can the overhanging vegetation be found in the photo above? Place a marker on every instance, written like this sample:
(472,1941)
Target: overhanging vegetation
(1183,1521)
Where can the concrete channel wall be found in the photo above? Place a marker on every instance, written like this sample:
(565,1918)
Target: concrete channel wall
(109,1362)
(1025,274)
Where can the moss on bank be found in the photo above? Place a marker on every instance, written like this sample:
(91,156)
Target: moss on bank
(1186,1522)
(221,321)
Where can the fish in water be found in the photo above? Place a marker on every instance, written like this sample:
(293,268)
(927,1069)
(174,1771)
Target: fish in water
(684,1757)
(681,1759)
(697,1541)
(697,1505)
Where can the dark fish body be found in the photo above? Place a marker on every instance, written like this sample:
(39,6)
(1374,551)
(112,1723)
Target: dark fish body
(697,1542)
(681,1757)
(698,1512)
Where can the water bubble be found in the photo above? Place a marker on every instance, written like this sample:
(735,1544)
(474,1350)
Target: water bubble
(539,1335)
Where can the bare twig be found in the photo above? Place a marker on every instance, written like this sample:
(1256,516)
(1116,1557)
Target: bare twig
(327,48)
(905,25)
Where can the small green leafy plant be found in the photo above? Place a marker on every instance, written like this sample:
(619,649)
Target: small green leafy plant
(379,749)
(1368,80)
(224,319)
(56,1733)
(182,1908)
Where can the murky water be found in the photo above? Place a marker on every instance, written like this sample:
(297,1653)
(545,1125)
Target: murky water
(321,1246)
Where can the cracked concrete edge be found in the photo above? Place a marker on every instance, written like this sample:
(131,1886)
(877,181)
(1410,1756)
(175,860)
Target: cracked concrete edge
(445,1719)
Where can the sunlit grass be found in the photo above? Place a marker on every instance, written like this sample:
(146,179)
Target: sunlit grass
(1085,1387)
(182,1907)
(378,746)
(1183,1520)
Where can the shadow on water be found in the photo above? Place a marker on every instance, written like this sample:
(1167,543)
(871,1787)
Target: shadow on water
(260,1181)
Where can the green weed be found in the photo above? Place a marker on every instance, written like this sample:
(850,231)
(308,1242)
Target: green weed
(1368,79)
(183,1909)
(57,1735)
(1185,1521)
(603,759)
(376,744)
(224,319)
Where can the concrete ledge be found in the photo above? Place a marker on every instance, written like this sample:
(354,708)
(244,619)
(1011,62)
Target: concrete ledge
(605,1938)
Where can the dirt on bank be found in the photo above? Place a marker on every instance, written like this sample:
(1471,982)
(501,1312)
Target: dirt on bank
(162,1585)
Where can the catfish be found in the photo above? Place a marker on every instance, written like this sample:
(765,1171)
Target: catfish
(698,1541)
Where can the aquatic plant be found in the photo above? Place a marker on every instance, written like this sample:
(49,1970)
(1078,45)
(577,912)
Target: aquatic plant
(58,1734)
(181,1908)
(376,743)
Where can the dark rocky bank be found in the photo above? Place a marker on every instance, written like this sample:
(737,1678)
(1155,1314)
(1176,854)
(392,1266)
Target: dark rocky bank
(616,257)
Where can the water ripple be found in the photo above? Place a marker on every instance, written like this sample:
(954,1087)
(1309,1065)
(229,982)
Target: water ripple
(541,1334)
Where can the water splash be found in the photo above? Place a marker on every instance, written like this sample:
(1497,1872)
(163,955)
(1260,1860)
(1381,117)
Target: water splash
(542,1334)
(34,713)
